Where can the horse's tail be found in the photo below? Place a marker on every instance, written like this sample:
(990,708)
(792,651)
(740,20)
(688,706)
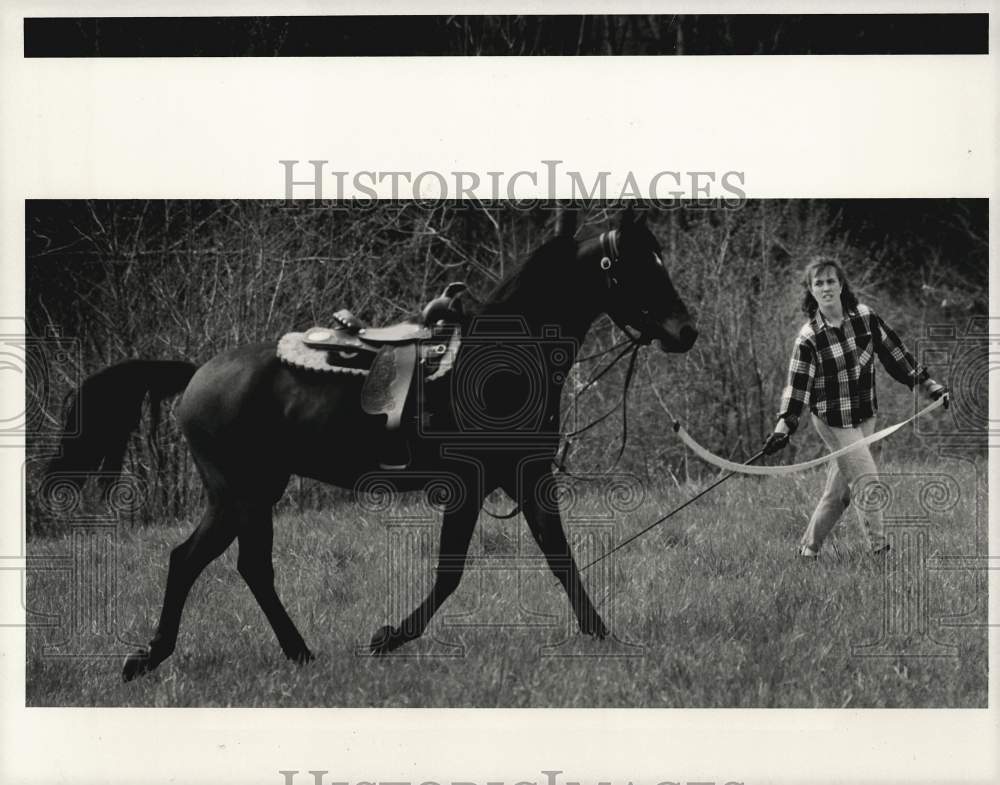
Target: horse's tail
(105,410)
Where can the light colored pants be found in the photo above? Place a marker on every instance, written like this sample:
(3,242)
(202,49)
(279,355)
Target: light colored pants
(849,474)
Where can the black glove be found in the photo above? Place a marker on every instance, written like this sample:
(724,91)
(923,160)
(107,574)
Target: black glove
(936,391)
(775,442)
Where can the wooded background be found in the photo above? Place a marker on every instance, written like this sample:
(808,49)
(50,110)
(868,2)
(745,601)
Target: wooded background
(187,280)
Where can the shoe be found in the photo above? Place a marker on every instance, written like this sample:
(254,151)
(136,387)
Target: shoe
(806,552)
(881,550)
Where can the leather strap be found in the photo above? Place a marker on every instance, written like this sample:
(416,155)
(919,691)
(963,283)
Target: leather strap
(385,390)
(609,256)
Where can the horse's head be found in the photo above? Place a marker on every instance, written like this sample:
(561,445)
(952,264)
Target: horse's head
(639,291)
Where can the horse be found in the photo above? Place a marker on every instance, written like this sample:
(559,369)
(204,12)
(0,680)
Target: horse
(252,421)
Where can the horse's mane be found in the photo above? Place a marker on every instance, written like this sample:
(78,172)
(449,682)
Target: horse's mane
(538,266)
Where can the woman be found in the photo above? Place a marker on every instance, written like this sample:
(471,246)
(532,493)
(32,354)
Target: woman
(832,371)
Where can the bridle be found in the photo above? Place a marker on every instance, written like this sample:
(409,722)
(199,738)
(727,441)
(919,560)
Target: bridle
(610,258)
(609,255)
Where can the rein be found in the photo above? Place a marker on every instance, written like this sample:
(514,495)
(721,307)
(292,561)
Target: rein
(609,251)
(632,348)
(632,344)
(560,459)
(670,514)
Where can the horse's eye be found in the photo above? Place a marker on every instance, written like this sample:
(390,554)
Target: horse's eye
(659,261)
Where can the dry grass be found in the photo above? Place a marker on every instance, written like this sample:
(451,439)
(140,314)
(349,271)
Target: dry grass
(710,610)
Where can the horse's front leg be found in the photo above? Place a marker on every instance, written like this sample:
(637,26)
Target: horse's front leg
(539,502)
(456,533)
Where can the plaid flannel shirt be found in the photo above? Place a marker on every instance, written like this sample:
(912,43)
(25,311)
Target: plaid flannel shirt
(832,369)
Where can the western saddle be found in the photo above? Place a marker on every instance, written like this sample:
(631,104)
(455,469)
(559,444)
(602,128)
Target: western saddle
(391,356)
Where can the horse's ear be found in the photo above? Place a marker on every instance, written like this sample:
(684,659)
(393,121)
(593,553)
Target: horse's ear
(566,222)
(631,217)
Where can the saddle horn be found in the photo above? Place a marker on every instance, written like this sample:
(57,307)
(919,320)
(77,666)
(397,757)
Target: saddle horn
(442,307)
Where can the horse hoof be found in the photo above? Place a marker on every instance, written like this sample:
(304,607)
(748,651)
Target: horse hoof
(383,641)
(597,629)
(137,664)
(303,657)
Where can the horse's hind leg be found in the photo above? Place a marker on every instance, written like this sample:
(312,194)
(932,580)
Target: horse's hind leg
(214,534)
(256,535)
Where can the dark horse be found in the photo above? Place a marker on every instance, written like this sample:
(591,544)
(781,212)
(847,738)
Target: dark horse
(251,422)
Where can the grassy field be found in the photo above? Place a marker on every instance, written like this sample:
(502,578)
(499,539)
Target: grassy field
(712,609)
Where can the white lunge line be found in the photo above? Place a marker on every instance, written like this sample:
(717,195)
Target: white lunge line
(743,468)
